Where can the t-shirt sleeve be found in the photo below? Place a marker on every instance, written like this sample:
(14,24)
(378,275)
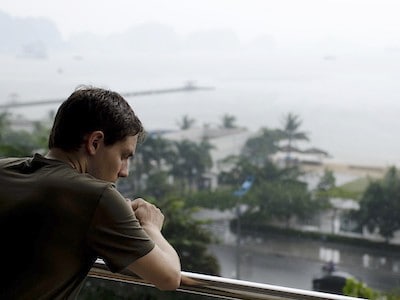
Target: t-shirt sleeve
(115,234)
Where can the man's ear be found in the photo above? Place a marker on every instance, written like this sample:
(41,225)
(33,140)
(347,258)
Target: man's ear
(94,140)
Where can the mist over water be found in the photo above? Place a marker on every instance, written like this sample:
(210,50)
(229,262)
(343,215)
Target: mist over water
(348,102)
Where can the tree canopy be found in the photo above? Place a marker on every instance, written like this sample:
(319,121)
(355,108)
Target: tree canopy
(19,142)
(380,205)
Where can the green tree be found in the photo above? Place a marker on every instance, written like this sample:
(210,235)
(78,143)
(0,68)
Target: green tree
(217,199)
(185,161)
(4,124)
(153,155)
(327,181)
(156,152)
(282,200)
(192,161)
(163,159)
(355,288)
(188,236)
(380,205)
(325,187)
(258,149)
(277,194)
(157,185)
(18,143)
(325,190)
(237,168)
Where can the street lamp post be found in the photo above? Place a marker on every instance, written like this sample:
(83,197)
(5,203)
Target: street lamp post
(238,240)
(246,185)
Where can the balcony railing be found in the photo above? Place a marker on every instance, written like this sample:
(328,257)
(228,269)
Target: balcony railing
(220,287)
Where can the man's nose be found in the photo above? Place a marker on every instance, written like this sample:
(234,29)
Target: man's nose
(124,171)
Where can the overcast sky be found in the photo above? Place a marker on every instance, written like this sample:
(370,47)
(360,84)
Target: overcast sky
(358,20)
(359,86)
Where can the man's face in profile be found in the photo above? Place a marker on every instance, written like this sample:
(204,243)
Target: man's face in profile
(112,161)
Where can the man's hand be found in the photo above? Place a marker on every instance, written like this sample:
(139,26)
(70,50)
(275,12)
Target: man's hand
(161,266)
(147,213)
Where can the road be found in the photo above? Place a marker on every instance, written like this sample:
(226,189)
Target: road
(295,262)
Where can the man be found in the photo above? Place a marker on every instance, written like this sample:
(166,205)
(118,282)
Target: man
(60,212)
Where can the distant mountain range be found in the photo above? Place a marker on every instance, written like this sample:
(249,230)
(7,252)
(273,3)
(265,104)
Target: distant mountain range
(28,36)
(38,37)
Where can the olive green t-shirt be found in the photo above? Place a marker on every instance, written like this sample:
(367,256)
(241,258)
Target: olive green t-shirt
(54,223)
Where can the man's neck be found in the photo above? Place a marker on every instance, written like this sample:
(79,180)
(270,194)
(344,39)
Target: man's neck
(74,159)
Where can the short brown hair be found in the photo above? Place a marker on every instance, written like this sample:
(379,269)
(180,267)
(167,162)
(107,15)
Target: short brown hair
(89,109)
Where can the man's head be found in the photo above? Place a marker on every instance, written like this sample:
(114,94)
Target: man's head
(101,126)
(91,109)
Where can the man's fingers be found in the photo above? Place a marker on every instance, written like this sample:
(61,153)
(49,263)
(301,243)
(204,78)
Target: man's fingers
(137,202)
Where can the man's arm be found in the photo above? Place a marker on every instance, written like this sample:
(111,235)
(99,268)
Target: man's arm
(161,266)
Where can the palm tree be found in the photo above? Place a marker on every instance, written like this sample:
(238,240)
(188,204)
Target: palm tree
(228,121)
(152,156)
(291,133)
(192,161)
(186,122)
(157,151)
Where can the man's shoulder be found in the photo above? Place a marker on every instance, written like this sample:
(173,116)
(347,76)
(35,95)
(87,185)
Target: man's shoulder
(8,161)
(69,179)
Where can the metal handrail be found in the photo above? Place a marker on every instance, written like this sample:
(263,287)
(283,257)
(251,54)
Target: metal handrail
(220,287)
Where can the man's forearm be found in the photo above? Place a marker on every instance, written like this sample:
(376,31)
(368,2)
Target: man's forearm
(164,245)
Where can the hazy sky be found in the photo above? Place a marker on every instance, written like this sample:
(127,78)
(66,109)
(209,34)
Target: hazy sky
(358,20)
(348,89)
